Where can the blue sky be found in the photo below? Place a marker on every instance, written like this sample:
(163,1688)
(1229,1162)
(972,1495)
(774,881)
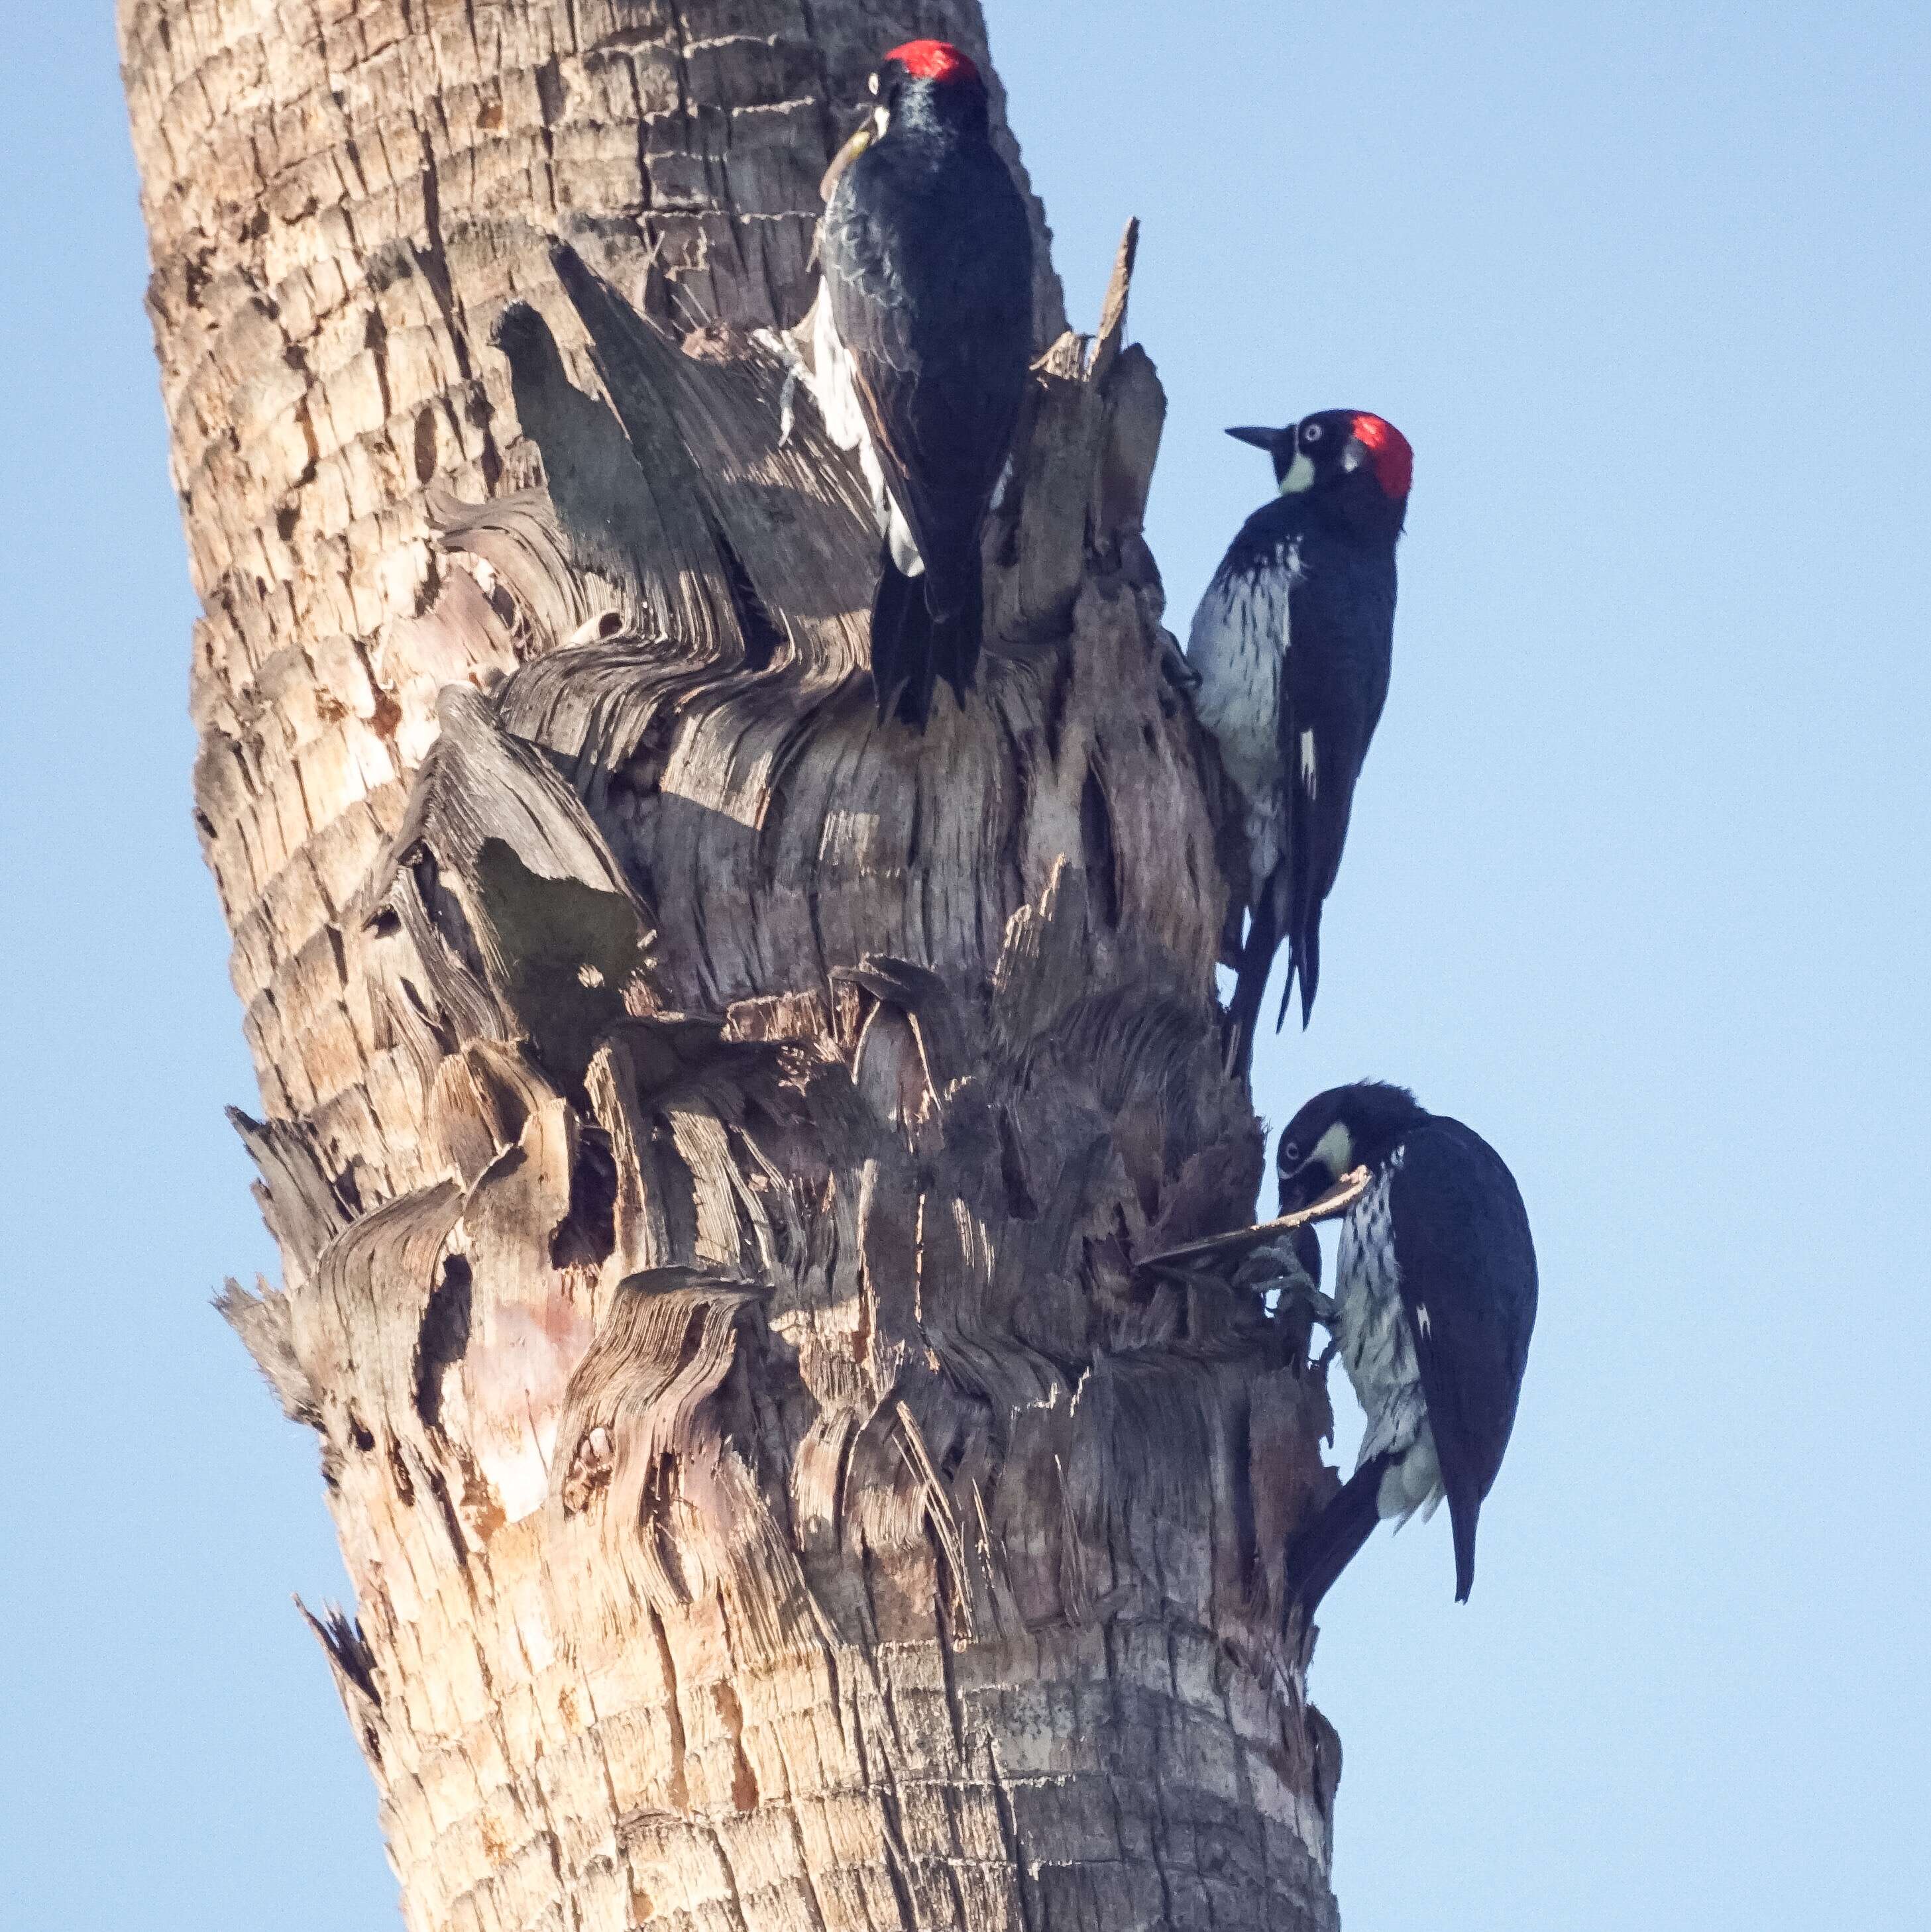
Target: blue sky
(1637,886)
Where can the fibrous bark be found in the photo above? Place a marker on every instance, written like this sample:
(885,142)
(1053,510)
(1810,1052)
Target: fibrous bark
(710,1134)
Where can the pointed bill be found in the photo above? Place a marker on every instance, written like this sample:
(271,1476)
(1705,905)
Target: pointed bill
(844,156)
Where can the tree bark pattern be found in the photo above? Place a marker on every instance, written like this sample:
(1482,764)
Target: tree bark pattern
(709,1134)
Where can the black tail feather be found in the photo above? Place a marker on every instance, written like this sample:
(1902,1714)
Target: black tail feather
(912,647)
(956,638)
(901,644)
(1304,966)
(1256,962)
(1303,914)
(1462,1520)
(1335,1538)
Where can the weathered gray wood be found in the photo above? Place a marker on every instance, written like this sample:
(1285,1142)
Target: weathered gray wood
(712,1138)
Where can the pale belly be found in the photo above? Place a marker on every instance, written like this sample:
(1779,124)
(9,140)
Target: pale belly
(1239,640)
(1377,1348)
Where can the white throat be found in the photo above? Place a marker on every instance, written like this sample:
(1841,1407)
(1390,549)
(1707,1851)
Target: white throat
(1300,475)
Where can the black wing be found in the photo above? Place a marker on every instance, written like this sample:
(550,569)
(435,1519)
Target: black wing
(1342,637)
(930,280)
(1468,1284)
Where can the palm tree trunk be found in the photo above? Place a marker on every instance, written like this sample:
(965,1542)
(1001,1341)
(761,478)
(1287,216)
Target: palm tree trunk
(709,1134)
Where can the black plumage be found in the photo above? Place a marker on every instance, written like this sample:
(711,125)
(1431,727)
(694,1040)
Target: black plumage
(1292,643)
(924,341)
(1434,1302)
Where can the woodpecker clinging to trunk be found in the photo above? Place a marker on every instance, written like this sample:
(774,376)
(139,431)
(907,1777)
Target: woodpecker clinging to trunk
(1292,643)
(924,336)
(1434,1302)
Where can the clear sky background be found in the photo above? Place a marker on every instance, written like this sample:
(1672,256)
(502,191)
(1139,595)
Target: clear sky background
(1637,886)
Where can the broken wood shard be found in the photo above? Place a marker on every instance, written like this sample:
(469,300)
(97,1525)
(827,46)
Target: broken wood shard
(263,1320)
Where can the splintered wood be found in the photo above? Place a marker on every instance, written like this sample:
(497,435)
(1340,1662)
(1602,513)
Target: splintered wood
(709,1135)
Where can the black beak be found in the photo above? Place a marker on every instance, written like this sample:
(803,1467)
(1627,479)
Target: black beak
(1304,1186)
(1268,440)
(861,138)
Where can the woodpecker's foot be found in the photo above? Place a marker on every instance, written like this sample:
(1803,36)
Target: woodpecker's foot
(1275,1269)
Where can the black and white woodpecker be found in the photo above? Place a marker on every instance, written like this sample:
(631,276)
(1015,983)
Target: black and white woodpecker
(1434,1304)
(922,341)
(1292,644)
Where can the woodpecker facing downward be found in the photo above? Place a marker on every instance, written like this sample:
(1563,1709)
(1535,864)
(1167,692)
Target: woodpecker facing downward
(924,338)
(1434,1302)
(1292,643)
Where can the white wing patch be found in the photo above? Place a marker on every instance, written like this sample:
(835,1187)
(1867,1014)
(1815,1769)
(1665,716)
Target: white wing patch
(831,377)
(1309,778)
(898,531)
(1422,1323)
(837,396)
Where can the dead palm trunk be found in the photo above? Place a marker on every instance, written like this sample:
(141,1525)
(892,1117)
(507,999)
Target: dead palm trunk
(709,1134)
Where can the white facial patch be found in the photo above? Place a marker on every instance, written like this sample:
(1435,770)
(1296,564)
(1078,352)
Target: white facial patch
(1300,475)
(873,83)
(882,119)
(1334,1150)
(1308,769)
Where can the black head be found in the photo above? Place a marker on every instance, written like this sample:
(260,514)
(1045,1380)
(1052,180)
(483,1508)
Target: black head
(929,81)
(925,88)
(1358,462)
(1335,1132)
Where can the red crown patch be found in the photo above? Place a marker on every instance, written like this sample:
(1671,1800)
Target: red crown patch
(934,60)
(1393,461)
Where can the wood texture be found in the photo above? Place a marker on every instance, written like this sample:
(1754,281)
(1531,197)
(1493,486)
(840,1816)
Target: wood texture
(710,1136)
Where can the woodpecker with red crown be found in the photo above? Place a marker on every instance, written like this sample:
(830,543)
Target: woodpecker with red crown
(1292,644)
(923,340)
(1434,1303)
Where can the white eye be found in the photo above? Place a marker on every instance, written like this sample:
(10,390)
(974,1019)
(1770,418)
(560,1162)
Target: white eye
(1290,1155)
(1312,434)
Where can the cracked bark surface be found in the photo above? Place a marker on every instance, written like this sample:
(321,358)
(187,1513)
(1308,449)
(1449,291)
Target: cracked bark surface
(709,1136)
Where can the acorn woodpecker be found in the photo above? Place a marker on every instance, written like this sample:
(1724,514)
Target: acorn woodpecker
(1434,1302)
(923,335)
(1292,642)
